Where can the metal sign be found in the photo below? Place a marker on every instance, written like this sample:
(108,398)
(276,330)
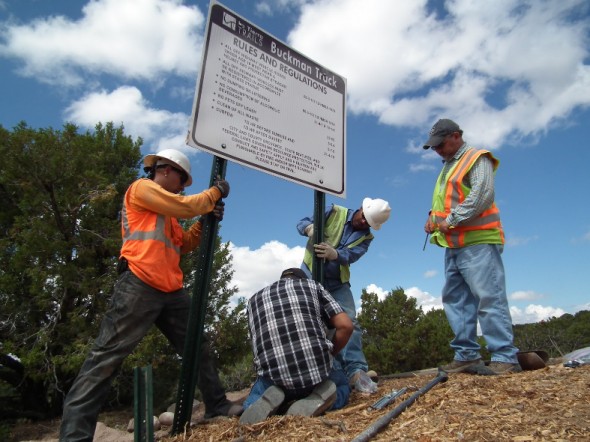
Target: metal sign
(266,106)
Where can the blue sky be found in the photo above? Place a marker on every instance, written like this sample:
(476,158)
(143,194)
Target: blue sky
(514,74)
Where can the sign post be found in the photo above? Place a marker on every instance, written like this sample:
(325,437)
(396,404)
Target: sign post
(264,105)
(192,346)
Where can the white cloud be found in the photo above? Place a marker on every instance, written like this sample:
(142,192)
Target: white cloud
(142,39)
(159,129)
(480,63)
(381,293)
(425,299)
(515,241)
(430,273)
(534,313)
(263,8)
(397,181)
(421,167)
(267,7)
(525,295)
(485,66)
(531,314)
(255,269)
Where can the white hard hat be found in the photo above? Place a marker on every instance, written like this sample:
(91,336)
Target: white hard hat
(174,158)
(376,212)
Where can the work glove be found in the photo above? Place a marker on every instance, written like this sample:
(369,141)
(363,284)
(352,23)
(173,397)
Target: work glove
(326,251)
(363,383)
(223,187)
(309,230)
(219,210)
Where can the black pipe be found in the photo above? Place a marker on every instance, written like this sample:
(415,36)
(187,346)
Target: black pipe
(384,420)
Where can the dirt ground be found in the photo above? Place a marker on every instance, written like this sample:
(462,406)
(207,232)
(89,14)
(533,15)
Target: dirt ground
(549,404)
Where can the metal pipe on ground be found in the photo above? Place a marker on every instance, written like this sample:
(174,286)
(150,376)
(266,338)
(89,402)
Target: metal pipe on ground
(384,420)
(411,374)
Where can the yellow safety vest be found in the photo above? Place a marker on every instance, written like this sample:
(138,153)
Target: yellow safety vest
(332,234)
(486,228)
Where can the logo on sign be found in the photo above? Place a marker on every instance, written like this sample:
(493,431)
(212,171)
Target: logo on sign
(229,21)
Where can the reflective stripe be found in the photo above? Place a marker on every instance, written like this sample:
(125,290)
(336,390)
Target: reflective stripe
(152,243)
(158,234)
(334,228)
(485,228)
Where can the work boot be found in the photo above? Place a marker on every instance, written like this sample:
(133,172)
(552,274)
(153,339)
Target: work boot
(462,366)
(212,391)
(504,367)
(321,399)
(265,406)
(229,409)
(362,383)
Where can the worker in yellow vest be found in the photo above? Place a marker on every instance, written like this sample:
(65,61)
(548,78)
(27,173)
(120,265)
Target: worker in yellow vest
(465,220)
(347,236)
(149,290)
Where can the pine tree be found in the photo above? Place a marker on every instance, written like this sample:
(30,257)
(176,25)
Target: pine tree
(398,336)
(62,193)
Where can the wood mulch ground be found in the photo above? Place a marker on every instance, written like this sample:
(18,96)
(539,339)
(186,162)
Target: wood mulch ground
(552,403)
(549,404)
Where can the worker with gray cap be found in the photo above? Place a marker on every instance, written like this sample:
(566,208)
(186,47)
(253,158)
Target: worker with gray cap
(149,290)
(465,220)
(347,236)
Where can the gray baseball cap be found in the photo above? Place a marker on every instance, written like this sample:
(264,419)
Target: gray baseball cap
(440,130)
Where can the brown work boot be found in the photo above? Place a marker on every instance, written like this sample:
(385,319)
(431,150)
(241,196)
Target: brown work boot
(504,367)
(462,366)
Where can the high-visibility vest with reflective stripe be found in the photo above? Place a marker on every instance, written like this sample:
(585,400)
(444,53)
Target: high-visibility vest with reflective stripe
(486,228)
(151,245)
(332,235)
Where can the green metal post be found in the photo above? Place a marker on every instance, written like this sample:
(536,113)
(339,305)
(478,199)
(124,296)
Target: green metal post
(192,346)
(143,411)
(319,215)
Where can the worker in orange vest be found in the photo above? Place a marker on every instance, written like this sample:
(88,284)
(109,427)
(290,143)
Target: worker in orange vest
(149,289)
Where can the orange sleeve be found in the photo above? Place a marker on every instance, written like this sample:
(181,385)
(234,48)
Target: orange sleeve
(191,238)
(150,196)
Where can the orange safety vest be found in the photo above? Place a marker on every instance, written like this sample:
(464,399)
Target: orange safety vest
(485,228)
(151,245)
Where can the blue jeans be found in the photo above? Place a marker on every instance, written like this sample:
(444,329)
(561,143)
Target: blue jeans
(336,376)
(351,357)
(475,289)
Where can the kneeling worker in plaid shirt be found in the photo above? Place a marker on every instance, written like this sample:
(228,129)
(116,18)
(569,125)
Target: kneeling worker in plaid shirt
(293,355)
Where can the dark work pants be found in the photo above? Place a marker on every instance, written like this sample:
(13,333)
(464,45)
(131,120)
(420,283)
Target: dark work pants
(134,308)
